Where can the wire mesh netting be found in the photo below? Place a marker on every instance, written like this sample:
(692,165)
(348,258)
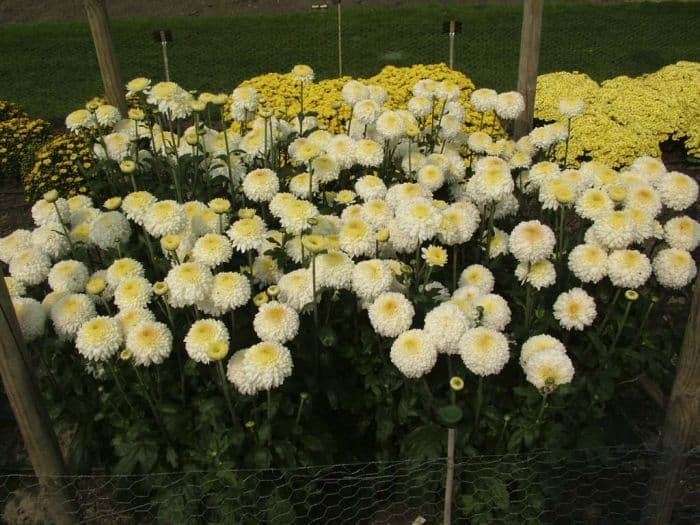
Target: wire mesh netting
(594,486)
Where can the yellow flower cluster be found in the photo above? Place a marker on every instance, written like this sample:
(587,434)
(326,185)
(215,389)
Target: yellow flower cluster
(19,138)
(280,92)
(625,118)
(10,110)
(61,164)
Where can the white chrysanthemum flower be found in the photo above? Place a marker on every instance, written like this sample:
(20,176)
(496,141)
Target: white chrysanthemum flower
(574,309)
(107,115)
(377,213)
(356,238)
(615,229)
(401,194)
(296,289)
(588,262)
(276,321)
(366,111)
(628,268)
(458,223)
(682,233)
(135,205)
(371,278)
(418,218)
(79,120)
(677,190)
(674,268)
(68,276)
(390,125)
(368,153)
(212,250)
(31,317)
(593,203)
(30,266)
(261,185)
(164,218)
(265,270)
(44,212)
(123,268)
(531,241)
(247,234)
(266,365)
(539,274)
(448,90)
(99,338)
(536,344)
(244,98)
(495,311)
(543,172)
(479,276)
(234,373)
(14,287)
(334,270)
(325,170)
(643,224)
(479,142)
(201,335)
(133,293)
(413,353)
(401,242)
(426,87)
(70,312)
(370,187)
(171,99)
(450,128)
(149,343)
(13,243)
(377,93)
(484,351)
(353,91)
(113,146)
(109,230)
(483,99)
(50,299)
(83,216)
(542,137)
(570,107)
(50,240)
(549,368)
(420,106)
(188,283)
(490,184)
(341,149)
(229,290)
(295,216)
(130,319)
(650,168)
(445,325)
(645,198)
(499,243)
(431,177)
(556,192)
(302,150)
(391,314)
(509,105)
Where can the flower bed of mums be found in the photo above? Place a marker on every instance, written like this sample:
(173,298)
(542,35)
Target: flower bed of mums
(274,293)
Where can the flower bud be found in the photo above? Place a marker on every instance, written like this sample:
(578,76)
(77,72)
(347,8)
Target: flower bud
(96,286)
(160,288)
(219,205)
(273,291)
(113,203)
(456,383)
(127,166)
(51,196)
(170,243)
(382,235)
(260,299)
(217,350)
(136,114)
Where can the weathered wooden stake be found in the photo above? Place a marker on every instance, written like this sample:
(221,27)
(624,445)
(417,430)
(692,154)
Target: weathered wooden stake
(31,415)
(106,56)
(529,63)
(681,430)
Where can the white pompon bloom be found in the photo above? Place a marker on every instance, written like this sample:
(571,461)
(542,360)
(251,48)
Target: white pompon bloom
(371,278)
(296,289)
(370,187)
(68,276)
(445,325)
(509,105)
(483,99)
(479,276)
(31,317)
(70,312)
(188,283)
(234,373)
(51,241)
(495,311)
(130,319)
(574,309)
(164,218)
(458,224)
(266,365)
(539,274)
(150,343)
(588,262)
(30,266)
(334,270)
(133,293)
(201,335)
(413,353)
(682,233)
(531,241)
(674,268)
(212,249)
(276,321)
(418,218)
(536,344)
(677,190)
(628,268)
(229,290)
(356,238)
(391,314)
(549,368)
(135,204)
(13,243)
(99,338)
(122,269)
(484,351)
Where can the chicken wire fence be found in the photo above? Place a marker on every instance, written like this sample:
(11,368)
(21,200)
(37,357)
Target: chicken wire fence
(593,486)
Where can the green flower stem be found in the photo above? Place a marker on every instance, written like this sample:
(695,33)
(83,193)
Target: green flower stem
(566,147)
(301,109)
(542,407)
(621,327)
(225,390)
(171,321)
(299,409)
(151,404)
(490,229)
(481,123)
(66,233)
(609,312)
(562,220)
(118,382)
(528,305)
(269,415)
(228,155)
(311,179)
(479,401)
(645,318)
(106,305)
(352,111)
(454,267)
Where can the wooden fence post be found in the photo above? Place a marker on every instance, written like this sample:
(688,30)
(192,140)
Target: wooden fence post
(106,56)
(529,62)
(31,415)
(682,423)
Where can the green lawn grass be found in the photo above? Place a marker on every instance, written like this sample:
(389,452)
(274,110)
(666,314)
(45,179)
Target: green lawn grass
(51,69)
